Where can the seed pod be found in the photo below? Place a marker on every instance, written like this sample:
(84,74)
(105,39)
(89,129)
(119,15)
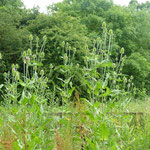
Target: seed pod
(17,76)
(17,66)
(122,51)
(29,52)
(42,72)
(51,66)
(65,58)
(35,68)
(42,55)
(13,66)
(63,44)
(110,32)
(131,77)
(24,54)
(104,25)
(125,79)
(5,74)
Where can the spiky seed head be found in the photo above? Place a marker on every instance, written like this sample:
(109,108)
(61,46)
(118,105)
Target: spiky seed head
(110,32)
(42,55)
(77,65)
(17,66)
(29,52)
(74,50)
(67,44)
(94,41)
(131,77)
(31,37)
(104,25)
(42,72)
(5,75)
(0,56)
(17,76)
(65,57)
(63,43)
(35,68)
(86,59)
(122,51)
(24,54)
(40,80)
(13,66)
(125,79)
(51,66)
(94,49)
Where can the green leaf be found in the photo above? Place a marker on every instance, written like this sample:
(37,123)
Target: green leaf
(104,131)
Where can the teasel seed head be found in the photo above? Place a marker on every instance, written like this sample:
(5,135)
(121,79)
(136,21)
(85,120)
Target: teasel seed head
(51,66)
(42,55)
(29,52)
(5,74)
(104,25)
(63,43)
(24,54)
(17,76)
(35,68)
(42,72)
(110,32)
(122,51)
(17,66)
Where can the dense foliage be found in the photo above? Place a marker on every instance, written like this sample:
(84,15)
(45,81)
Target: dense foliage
(78,22)
(66,80)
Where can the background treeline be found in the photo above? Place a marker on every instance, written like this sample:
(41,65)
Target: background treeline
(78,22)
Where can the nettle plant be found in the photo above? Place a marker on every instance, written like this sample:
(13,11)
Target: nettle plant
(24,88)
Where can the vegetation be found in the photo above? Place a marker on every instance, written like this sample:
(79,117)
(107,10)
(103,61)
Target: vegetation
(71,84)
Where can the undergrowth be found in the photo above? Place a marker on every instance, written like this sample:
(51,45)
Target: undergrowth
(82,107)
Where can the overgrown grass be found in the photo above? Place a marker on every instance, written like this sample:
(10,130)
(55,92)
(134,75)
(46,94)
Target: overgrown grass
(85,108)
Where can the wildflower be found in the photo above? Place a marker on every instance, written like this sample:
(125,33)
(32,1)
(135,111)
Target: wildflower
(27,60)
